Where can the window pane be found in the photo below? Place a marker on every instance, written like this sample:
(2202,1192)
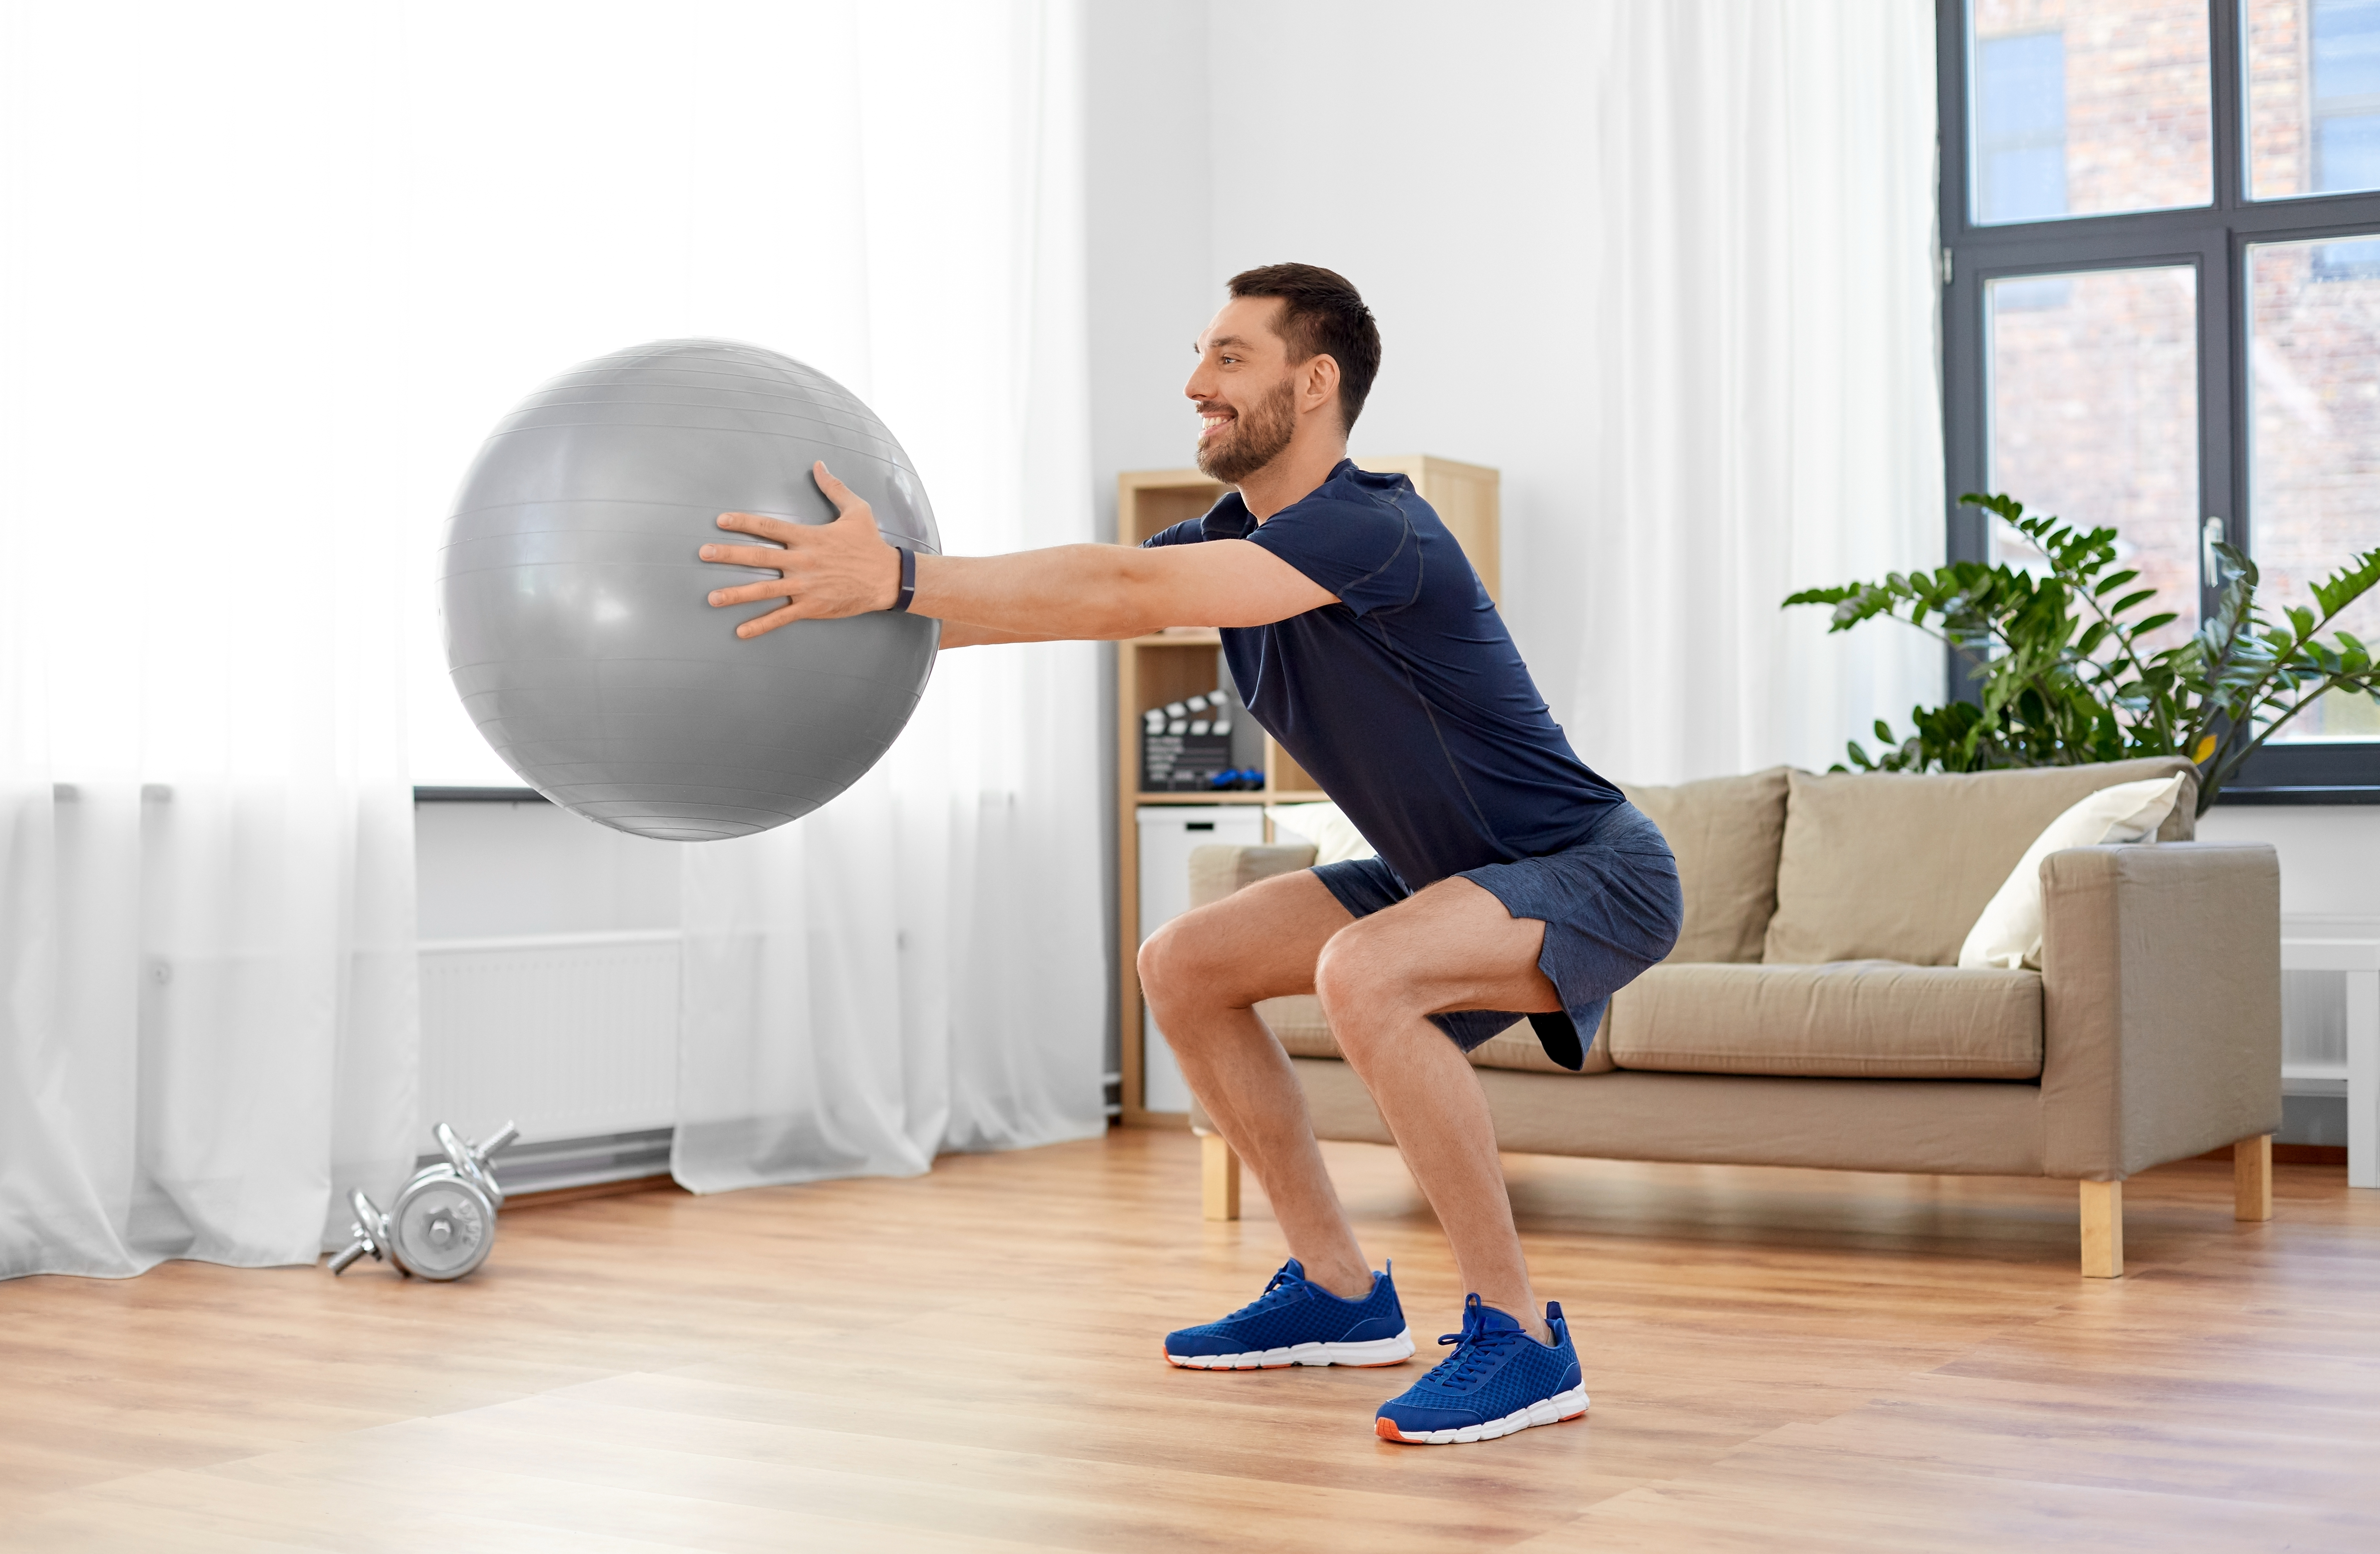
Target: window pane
(2084,107)
(2313,96)
(2314,467)
(2094,416)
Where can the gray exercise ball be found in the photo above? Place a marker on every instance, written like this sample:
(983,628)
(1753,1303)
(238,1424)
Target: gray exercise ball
(577,624)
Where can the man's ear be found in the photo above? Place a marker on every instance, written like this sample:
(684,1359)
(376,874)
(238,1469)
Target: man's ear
(1318,383)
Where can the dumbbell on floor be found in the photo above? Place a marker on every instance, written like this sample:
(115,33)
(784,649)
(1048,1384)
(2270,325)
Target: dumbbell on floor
(443,1223)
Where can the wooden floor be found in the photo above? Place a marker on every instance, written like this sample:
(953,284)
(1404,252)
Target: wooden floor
(1779,1361)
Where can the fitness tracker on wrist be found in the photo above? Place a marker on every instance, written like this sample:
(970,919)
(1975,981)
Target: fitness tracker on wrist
(908,579)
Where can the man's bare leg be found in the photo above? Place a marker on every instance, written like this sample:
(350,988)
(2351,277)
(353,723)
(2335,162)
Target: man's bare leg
(1202,973)
(1451,946)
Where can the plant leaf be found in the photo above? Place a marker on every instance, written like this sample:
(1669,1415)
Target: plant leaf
(2348,584)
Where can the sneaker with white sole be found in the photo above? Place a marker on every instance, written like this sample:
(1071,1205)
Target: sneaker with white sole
(1297,1322)
(1498,1381)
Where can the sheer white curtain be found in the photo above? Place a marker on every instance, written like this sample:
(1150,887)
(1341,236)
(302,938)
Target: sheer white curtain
(1765,410)
(268,274)
(206,960)
(919,965)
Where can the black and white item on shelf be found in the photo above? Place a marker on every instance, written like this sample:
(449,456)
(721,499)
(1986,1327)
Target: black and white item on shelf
(1186,745)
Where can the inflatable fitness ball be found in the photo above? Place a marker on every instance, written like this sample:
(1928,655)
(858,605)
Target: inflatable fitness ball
(577,624)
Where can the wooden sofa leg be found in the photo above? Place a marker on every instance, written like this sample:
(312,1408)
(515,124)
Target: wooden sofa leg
(2251,1178)
(2102,1230)
(1219,1178)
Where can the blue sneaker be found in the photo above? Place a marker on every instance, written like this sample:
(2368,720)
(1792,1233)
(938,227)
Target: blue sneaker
(1498,1381)
(1297,1322)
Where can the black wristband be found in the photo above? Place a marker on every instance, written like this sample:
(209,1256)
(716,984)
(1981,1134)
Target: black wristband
(908,578)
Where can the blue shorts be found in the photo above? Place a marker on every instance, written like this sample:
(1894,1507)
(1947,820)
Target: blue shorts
(1612,907)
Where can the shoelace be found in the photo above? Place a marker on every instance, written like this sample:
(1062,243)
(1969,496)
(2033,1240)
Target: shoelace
(1274,1293)
(1474,1348)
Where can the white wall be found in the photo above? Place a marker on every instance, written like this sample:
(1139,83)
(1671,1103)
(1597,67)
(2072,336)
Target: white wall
(2330,868)
(2330,854)
(1443,160)
(1149,273)
(1441,147)
(504,870)
(1152,280)
(1421,151)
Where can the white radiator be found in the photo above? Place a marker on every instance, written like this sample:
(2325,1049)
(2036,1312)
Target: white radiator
(2313,1026)
(574,1036)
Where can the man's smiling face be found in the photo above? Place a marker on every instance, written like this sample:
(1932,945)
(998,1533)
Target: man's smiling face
(1243,390)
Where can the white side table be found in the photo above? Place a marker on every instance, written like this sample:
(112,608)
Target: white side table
(2351,947)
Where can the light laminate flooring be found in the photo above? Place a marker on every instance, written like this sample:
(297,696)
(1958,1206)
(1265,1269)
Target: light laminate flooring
(1779,1359)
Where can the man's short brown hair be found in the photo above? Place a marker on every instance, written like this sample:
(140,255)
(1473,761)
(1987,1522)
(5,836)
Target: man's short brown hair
(1321,314)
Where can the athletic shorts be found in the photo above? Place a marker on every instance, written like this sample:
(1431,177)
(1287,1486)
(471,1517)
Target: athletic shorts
(1610,904)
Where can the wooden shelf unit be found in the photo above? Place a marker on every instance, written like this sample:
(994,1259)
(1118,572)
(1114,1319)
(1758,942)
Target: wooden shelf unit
(1168,666)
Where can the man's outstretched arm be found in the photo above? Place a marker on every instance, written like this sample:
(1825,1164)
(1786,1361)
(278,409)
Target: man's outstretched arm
(966,634)
(827,571)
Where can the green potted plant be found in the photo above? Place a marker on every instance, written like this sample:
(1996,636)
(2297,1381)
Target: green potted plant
(2063,675)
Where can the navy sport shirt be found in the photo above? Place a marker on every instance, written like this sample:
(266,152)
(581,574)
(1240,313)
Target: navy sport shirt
(1406,700)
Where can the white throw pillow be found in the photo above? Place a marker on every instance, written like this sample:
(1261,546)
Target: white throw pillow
(2008,933)
(1334,836)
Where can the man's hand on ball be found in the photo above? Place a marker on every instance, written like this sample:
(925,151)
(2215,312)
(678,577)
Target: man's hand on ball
(825,571)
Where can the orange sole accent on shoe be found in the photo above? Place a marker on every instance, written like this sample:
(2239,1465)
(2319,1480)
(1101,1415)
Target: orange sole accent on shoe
(1387,1430)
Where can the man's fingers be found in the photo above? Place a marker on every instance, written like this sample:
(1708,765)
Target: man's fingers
(769,557)
(843,496)
(761,524)
(751,592)
(761,625)
(822,571)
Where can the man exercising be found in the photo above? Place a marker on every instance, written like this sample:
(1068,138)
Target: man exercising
(1511,879)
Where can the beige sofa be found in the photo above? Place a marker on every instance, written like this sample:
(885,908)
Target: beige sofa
(1813,1012)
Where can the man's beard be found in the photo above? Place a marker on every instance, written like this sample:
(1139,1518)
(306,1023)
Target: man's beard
(1250,440)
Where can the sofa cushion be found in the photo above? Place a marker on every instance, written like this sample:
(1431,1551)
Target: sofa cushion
(1861,1019)
(2008,933)
(1886,865)
(1218,870)
(1517,1047)
(1297,1022)
(1725,833)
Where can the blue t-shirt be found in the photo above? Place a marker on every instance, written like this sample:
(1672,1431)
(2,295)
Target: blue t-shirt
(1406,700)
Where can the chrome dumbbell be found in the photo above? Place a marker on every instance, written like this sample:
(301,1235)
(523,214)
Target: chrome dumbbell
(443,1223)
(470,1160)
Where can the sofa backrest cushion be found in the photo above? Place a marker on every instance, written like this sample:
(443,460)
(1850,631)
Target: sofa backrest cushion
(1886,865)
(1725,833)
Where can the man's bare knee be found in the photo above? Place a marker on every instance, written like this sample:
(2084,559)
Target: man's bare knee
(1364,992)
(1166,962)
(1183,963)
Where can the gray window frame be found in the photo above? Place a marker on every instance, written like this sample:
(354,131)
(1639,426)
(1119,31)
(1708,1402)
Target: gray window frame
(2214,239)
